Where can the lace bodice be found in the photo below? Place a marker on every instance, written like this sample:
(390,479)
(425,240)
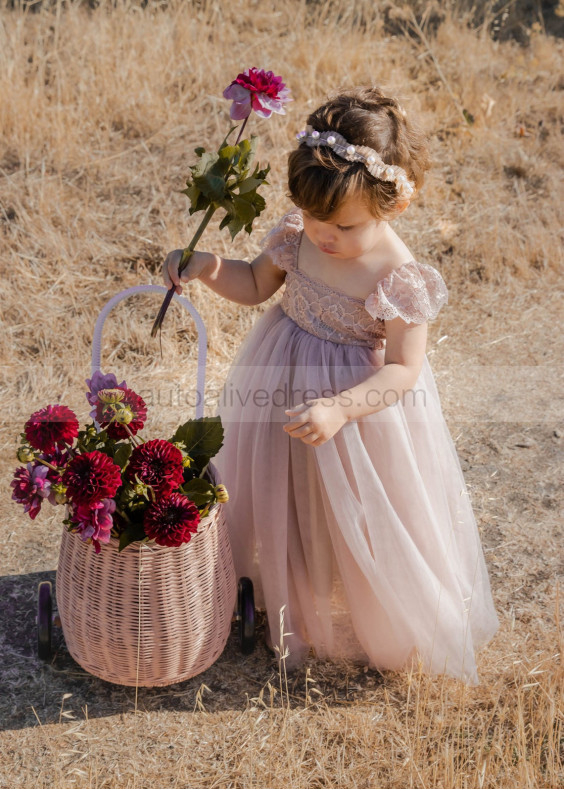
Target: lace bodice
(415,291)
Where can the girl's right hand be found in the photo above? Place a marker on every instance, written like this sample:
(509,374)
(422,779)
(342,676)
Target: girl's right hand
(198,263)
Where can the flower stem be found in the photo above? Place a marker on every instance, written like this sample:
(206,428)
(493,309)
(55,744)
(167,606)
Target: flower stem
(183,263)
(241,130)
(54,468)
(134,441)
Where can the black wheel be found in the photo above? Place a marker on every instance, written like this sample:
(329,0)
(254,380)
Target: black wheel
(246,615)
(44,620)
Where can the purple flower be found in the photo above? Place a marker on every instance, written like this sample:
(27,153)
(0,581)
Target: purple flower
(94,522)
(31,486)
(98,382)
(258,90)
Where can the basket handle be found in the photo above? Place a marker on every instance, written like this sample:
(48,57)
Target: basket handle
(202,335)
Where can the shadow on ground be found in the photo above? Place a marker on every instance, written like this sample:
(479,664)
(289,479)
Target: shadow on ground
(33,690)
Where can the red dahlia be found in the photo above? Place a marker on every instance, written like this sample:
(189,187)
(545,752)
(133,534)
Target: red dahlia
(133,403)
(171,521)
(91,477)
(51,428)
(156,463)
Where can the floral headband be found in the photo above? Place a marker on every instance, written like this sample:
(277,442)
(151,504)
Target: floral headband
(360,153)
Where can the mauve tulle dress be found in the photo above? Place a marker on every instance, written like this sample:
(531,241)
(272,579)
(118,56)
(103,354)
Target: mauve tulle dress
(368,541)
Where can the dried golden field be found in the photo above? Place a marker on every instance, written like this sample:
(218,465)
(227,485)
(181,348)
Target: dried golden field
(100,110)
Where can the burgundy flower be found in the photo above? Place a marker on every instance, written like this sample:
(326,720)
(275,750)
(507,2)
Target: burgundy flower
(171,521)
(98,382)
(156,463)
(132,405)
(94,521)
(258,90)
(31,486)
(51,427)
(91,477)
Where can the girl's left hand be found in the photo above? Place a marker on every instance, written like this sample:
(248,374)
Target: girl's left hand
(315,422)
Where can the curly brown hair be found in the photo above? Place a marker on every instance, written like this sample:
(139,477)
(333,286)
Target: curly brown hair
(319,180)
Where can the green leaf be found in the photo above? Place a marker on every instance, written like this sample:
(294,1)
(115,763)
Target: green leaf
(212,186)
(248,150)
(247,184)
(244,209)
(122,451)
(199,491)
(192,192)
(204,165)
(235,226)
(202,437)
(229,153)
(225,221)
(202,204)
(132,533)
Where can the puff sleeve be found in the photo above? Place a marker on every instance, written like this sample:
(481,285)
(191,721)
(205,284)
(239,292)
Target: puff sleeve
(283,240)
(415,292)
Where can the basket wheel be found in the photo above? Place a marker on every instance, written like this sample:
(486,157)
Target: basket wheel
(246,615)
(44,620)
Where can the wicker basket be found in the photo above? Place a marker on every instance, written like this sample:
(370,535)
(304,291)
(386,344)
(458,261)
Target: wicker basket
(149,615)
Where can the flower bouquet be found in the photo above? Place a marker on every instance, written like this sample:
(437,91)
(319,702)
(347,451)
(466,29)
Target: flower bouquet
(155,606)
(113,483)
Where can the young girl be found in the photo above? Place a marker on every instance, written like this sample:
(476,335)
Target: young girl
(347,501)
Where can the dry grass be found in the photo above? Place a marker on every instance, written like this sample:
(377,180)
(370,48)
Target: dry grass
(99,114)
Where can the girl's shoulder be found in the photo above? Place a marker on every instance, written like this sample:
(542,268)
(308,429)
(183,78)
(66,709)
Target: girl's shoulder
(282,241)
(414,291)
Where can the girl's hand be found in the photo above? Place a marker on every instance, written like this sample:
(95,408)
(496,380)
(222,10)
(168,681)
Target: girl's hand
(315,422)
(197,265)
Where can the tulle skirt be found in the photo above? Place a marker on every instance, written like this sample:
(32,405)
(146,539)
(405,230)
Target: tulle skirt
(367,543)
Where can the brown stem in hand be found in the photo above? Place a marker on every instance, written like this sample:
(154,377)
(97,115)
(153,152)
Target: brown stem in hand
(183,263)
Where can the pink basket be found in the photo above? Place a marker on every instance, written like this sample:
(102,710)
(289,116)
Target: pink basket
(149,615)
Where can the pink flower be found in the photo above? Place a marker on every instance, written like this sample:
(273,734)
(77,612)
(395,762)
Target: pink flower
(31,486)
(258,90)
(94,521)
(51,427)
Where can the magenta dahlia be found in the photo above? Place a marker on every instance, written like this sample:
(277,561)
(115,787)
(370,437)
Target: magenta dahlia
(156,463)
(258,90)
(51,427)
(91,477)
(132,412)
(94,521)
(171,521)
(31,486)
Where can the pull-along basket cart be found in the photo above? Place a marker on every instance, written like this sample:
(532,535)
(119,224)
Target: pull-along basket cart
(149,615)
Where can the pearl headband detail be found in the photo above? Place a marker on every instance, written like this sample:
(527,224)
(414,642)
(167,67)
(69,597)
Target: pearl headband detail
(360,153)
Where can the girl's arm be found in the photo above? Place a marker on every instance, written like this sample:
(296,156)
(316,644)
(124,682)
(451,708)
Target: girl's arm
(403,360)
(239,281)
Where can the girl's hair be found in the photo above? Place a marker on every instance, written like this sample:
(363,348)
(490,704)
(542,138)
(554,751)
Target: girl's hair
(319,180)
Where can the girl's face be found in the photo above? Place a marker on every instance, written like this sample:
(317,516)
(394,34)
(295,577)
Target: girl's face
(352,232)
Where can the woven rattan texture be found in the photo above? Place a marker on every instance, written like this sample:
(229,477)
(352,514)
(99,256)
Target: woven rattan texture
(149,615)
